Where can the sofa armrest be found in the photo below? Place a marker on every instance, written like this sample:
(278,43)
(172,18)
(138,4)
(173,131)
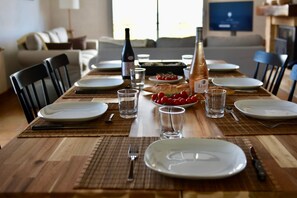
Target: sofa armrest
(92,44)
(31,57)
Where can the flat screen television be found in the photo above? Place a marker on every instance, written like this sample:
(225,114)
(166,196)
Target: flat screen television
(231,16)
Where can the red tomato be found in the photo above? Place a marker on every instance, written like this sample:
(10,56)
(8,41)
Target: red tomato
(184,94)
(170,101)
(154,97)
(164,100)
(194,99)
(160,95)
(182,101)
(188,100)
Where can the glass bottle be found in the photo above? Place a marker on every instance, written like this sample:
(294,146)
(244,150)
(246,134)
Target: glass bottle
(127,56)
(198,77)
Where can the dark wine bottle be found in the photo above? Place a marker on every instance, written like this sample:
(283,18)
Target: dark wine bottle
(127,56)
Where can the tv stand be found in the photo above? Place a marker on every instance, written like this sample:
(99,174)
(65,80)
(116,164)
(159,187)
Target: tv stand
(233,33)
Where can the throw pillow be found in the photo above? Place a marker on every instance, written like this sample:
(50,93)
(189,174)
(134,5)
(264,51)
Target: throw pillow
(33,42)
(59,46)
(79,42)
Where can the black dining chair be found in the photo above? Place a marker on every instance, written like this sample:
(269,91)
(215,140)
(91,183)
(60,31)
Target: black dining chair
(33,88)
(293,77)
(270,69)
(58,72)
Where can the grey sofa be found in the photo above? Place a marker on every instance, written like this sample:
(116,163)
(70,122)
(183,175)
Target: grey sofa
(34,48)
(237,50)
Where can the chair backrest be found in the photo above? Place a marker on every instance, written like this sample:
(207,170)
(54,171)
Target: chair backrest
(293,76)
(273,68)
(57,69)
(27,84)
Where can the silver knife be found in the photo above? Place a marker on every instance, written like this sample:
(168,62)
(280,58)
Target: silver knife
(261,174)
(59,126)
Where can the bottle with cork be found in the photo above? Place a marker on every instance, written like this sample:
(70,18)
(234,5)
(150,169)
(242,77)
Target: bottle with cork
(198,78)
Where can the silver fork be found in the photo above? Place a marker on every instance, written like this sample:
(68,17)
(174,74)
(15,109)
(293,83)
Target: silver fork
(132,154)
(273,125)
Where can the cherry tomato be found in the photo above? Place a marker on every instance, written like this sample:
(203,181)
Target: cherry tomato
(184,94)
(154,97)
(164,100)
(160,95)
(194,99)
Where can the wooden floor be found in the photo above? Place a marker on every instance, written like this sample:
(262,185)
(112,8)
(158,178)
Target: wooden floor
(12,119)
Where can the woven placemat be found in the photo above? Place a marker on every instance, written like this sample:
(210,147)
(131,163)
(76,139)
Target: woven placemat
(216,74)
(251,126)
(94,128)
(98,72)
(108,167)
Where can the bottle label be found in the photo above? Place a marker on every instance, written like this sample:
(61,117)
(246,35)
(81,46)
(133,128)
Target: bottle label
(126,66)
(200,86)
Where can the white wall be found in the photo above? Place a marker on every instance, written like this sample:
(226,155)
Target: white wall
(94,18)
(19,17)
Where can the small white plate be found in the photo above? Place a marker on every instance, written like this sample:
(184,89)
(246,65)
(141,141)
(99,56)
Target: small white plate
(222,67)
(99,83)
(195,158)
(237,83)
(184,106)
(267,108)
(73,111)
(154,79)
(108,65)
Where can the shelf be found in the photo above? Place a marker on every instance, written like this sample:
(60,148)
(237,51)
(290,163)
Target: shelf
(289,10)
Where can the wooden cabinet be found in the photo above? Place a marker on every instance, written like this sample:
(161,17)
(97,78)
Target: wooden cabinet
(276,15)
(3,83)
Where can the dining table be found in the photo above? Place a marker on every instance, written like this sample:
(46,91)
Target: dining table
(92,161)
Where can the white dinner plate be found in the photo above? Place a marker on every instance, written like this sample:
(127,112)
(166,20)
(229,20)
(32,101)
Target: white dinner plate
(154,79)
(267,108)
(195,158)
(222,67)
(184,105)
(99,83)
(237,83)
(73,111)
(108,65)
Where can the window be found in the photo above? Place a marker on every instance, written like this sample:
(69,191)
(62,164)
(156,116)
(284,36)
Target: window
(156,18)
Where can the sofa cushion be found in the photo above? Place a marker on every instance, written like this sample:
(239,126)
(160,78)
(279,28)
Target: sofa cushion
(59,46)
(110,42)
(61,33)
(33,42)
(53,37)
(36,41)
(176,42)
(79,42)
(232,41)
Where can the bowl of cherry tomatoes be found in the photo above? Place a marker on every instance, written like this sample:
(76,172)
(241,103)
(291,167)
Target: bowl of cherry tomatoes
(165,78)
(182,99)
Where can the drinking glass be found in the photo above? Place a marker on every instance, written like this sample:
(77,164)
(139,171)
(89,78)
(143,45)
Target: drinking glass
(128,102)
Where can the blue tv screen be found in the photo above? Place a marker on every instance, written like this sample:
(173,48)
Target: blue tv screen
(231,16)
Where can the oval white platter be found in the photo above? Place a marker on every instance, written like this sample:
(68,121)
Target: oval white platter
(267,108)
(108,65)
(72,111)
(99,83)
(222,67)
(237,83)
(184,105)
(195,158)
(154,79)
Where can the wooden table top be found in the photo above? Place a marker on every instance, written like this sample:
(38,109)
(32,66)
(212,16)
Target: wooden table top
(37,167)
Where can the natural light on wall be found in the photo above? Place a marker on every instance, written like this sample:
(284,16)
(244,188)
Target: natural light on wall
(177,18)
